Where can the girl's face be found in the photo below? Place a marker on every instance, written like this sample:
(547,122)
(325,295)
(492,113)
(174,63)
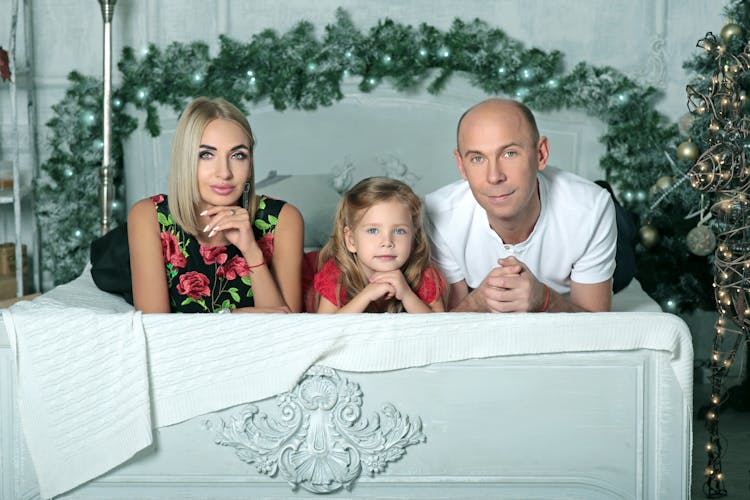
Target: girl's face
(224,163)
(382,238)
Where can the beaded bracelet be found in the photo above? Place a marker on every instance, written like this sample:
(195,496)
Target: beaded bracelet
(546,299)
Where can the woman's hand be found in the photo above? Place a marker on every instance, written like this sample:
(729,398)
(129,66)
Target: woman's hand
(234,223)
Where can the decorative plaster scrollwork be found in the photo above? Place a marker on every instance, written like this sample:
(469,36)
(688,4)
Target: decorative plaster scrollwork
(320,442)
(655,72)
(342,177)
(396,169)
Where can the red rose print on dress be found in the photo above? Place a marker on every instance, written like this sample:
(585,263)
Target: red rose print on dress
(194,285)
(237,266)
(157,198)
(213,255)
(170,249)
(266,246)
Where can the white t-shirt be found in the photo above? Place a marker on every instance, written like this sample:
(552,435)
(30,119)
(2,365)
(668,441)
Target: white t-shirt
(574,239)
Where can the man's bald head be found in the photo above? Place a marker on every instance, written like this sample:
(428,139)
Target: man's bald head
(499,106)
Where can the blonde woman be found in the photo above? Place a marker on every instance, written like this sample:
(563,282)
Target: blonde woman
(378,257)
(212,244)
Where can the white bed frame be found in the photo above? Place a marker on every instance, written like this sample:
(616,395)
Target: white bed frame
(577,421)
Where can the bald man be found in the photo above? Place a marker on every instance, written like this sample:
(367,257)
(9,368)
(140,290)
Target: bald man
(516,235)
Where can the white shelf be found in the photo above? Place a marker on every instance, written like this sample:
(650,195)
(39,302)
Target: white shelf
(6,195)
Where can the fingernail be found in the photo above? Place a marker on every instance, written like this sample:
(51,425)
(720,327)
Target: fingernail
(205,228)
(212,232)
(203,213)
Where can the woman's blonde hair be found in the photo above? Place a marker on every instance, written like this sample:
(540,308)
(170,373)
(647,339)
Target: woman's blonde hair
(184,196)
(351,208)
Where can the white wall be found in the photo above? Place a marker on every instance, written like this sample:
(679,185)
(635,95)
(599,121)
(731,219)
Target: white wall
(646,39)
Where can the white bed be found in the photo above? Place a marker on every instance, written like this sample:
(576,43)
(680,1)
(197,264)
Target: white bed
(494,406)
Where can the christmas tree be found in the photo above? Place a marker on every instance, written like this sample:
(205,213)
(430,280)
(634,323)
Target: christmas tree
(717,99)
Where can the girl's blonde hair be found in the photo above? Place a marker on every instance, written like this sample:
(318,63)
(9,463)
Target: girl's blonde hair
(184,196)
(351,208)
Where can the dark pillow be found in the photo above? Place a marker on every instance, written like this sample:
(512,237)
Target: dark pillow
(626,235)
(110,263)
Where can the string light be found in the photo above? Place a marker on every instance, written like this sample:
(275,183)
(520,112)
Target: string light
(724,161)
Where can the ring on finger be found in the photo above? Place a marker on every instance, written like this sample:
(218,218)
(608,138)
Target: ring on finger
(232,211)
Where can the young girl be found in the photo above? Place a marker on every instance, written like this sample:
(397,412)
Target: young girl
(378,258)
(212,244)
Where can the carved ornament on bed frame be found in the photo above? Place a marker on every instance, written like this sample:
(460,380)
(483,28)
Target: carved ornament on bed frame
(321,442)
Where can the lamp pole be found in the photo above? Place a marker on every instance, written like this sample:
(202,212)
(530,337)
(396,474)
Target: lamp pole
(106,193)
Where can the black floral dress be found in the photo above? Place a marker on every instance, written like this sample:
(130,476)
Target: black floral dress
(204,278)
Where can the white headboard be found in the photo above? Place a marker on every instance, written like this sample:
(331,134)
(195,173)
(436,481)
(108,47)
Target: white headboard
(406,135)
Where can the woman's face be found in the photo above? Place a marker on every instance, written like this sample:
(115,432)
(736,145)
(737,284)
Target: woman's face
(225,161)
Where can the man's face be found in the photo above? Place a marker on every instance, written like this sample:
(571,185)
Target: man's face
(500,159)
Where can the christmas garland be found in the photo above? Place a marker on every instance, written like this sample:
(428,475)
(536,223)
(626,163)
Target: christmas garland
(299,70)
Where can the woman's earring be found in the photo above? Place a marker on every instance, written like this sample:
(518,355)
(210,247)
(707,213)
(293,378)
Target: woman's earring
(246,195)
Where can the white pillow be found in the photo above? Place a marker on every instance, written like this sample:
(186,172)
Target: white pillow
(313,195)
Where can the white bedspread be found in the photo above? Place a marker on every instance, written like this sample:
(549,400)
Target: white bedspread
(95,379)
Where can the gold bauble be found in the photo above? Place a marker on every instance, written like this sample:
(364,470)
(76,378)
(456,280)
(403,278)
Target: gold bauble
(687,150)
(663,182)
(729,30)
(701,240)
(649,236)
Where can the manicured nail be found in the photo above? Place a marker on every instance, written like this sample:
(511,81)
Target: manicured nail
(205,228)
(212,232)
(203,213)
